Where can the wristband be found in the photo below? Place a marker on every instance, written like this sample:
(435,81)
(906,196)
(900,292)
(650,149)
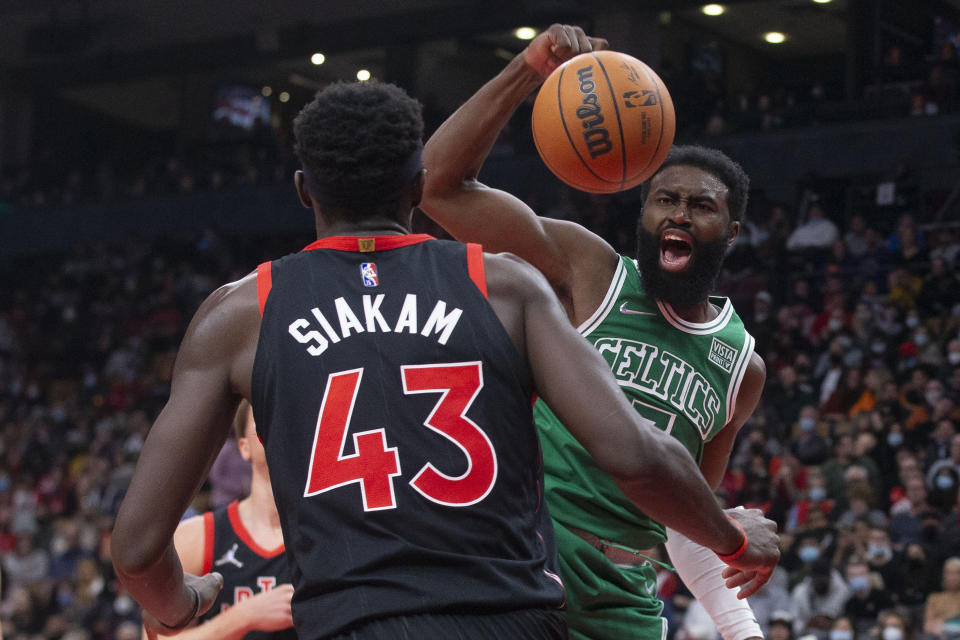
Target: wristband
(189,618)
(743,546)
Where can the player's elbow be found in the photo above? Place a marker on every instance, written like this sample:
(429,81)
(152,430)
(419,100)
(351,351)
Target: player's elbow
(133,551)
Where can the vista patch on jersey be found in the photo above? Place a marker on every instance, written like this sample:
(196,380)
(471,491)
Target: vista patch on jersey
(722,355)
(368,270)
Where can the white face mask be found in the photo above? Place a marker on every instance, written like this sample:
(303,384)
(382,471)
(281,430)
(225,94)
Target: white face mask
(892,633)
(953,357)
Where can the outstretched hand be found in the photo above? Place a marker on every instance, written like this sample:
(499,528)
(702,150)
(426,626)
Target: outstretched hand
(558,44)
(755,566)
(207,586)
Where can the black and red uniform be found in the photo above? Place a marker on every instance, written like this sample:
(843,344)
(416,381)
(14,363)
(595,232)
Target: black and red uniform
(246,567)
(396,416)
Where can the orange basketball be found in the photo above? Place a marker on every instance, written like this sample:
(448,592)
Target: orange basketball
(603,122)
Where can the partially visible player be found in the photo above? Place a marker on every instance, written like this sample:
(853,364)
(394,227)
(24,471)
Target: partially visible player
(682,356)
(390,377)
(244,544)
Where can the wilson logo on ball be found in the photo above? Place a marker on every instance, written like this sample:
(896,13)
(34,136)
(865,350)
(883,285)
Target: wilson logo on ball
(589,112)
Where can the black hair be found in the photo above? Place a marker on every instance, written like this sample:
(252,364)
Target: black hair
(717,164)
(354,140)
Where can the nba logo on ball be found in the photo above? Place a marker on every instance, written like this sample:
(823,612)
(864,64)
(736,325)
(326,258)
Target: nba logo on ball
(369,272)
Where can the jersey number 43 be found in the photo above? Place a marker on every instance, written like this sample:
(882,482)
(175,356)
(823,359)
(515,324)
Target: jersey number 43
(374,464)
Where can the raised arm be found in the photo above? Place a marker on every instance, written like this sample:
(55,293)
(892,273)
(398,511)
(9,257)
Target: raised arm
(566,253)
(208,379)
(652,469)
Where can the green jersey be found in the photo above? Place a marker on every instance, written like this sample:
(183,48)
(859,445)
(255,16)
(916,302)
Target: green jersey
(683,376)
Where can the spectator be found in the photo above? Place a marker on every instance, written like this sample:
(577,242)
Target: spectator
(817,233)
(809,446)
(941,615)
(781,626)
(819,599)
(868,595)
(855,238)
(951,461)
(906,524)
(771,600)
(842,629)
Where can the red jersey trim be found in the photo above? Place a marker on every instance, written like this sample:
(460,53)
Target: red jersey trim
(368,243)
(475,266)
(264,284)
(207,542)
(233,512)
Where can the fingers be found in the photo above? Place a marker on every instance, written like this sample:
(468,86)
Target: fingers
(754,585)
(739,578)
(208,588)
(569,40)
(598,44)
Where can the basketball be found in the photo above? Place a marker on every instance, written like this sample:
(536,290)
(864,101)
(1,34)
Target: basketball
(603,122)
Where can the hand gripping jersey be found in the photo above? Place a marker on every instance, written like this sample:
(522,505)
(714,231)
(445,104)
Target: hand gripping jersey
(246,567)
(396,417)
(682,376)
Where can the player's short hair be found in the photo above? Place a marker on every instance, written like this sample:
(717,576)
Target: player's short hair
(717,164)
(240,419)
(359,146)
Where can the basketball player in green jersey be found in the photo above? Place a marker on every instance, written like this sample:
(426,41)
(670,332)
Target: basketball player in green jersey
(682,357)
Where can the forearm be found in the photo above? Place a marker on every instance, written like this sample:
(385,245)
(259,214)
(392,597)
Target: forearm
(456,151)
(672,491)
(700,569)
(158,587)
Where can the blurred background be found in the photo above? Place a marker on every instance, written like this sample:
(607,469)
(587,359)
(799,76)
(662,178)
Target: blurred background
(146,158)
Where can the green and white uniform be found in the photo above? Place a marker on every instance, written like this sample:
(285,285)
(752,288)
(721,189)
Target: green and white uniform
(685,378)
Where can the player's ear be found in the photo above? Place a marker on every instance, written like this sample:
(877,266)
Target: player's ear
(305,199)
(734,231)
(244,445)
(416,190)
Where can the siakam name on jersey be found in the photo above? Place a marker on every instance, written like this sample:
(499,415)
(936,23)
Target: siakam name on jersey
(319,332)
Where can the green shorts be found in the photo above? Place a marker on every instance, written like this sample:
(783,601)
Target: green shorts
(606,601)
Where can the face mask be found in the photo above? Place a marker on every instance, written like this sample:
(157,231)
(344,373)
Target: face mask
(841,634)
(858,583)
(920,339)
(892,633)
(878,347)
(817,493)
(932,397)
(944,482)
(912,321)
(833,325)
(878,550)
(809,554)
(895,439)
(953,357)
(807,424)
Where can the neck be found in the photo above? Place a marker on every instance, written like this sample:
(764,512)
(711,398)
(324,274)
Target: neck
(698,313)
(379,226)
(259,509)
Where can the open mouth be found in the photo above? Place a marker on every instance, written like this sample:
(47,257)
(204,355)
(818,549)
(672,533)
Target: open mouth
(676,248)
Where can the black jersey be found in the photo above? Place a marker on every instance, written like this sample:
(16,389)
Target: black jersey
(246,567)
(397,422)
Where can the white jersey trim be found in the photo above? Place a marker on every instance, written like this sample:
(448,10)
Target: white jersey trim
(697,328)
(739,372)
(609,300)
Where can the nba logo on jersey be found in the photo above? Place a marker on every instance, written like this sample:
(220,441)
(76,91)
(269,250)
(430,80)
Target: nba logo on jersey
(369,272)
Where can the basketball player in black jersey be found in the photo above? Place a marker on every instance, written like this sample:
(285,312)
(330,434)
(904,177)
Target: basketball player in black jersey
(391,378)
(242,542)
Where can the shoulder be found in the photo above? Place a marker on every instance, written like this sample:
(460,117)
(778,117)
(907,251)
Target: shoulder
(513,277)
(190,541)
(225,312)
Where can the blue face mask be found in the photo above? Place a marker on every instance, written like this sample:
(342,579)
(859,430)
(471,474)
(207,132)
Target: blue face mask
(944,482)
(859,583)
(807,424)
(841,634)
(809,554)
(895,439)
(817,493)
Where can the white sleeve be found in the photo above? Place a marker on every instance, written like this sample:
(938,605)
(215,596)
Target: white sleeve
(700,569)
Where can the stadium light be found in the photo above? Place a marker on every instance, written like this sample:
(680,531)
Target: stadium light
(318,58)
(775,37)
(713,9)
(363,75)
(525,33)
(284,97)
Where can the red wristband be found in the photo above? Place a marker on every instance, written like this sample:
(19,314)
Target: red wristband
(743,546)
